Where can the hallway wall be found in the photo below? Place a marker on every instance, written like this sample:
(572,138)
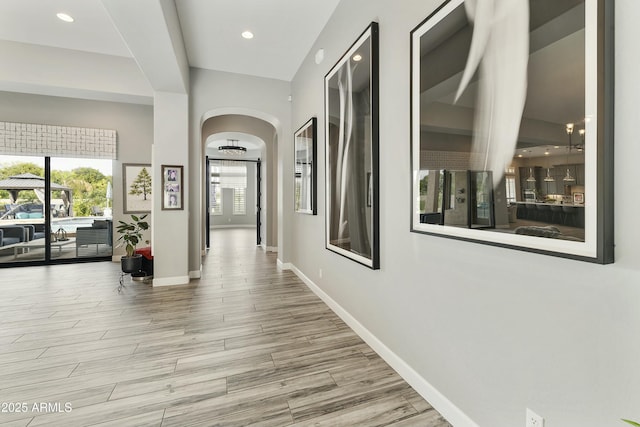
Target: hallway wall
(493,330)
(266,99)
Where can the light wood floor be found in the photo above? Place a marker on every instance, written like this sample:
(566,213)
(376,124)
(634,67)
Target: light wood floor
(245,345)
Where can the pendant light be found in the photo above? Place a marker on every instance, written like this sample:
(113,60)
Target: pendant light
(568,177)
(549,178)
(531,177)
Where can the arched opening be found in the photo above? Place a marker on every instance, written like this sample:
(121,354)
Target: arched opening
(259,137)
(235,194)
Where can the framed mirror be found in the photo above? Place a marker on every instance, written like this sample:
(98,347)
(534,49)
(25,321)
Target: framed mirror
(512,126)
(351,131)
(305,155)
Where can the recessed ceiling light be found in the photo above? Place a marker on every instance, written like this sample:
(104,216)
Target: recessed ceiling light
(357,57)
(65,17)
(520,155)
(556,146)
(247,35)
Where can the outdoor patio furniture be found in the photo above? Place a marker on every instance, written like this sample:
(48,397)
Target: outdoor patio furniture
(12,234)
(100,233)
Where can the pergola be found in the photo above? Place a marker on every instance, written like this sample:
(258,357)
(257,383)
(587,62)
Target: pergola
(28,181)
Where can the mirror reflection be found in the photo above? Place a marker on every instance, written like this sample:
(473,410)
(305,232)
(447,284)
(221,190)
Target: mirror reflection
(503,128)
(305,169)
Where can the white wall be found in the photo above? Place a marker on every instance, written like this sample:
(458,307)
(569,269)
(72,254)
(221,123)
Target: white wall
(133,123)
(65,72)
(493,330)
(170,228)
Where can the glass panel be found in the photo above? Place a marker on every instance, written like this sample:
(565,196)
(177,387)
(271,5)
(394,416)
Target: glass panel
(215,198)
(431,196)
(239,201)
(21,209)
(305,172)
(81,214)
(481,191)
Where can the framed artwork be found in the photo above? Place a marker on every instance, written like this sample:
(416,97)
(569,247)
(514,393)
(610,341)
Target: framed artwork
(351,149)
(305,179)
(136,187)
(510,115)
(172,188)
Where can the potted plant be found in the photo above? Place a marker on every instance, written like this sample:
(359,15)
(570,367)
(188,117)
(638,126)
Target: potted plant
(130,236)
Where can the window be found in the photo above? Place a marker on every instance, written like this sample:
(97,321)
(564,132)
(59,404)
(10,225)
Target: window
(215,198)
(511,189)
(239,201)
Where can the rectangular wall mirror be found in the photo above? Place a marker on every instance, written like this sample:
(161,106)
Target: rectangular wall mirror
(511,126)
(351,130)
(305,178)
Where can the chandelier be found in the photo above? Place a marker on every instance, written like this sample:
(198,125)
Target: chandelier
(232,148)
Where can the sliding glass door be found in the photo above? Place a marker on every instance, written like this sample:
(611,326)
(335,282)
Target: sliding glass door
(22,208)
(56,209)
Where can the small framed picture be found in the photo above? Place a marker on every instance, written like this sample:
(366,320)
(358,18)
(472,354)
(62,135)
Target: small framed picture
(136,187)
(578,198)
(172,185)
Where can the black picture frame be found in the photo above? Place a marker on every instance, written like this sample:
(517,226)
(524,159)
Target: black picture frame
(137,188)
(305,197)
(440,126)
(172,188)
(352,152)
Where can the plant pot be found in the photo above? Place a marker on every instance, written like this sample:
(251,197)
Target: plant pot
(131,264)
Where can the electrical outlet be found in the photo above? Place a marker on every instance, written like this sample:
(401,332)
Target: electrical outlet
(320,274)
(533,419)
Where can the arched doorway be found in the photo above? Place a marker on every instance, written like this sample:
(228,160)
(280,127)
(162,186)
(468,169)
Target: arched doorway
(259,137)
(235,194)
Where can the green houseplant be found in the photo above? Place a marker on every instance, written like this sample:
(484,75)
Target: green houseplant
(633,423)
(130,236)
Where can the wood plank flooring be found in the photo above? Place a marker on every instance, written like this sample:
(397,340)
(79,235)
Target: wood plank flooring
(246,345)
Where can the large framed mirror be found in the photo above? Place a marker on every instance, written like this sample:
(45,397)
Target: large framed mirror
(512,125)
(351,132)
(305,172)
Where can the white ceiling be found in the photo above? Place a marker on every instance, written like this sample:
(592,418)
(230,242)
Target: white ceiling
(284,31)
(35,22)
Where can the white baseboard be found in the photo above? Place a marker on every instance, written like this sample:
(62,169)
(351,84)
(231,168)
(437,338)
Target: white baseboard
(283,265)
(444,406)
(268,248)
(195,274)
(171,281)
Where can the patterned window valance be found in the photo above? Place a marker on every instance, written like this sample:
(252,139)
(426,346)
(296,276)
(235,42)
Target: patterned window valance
(26,139)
